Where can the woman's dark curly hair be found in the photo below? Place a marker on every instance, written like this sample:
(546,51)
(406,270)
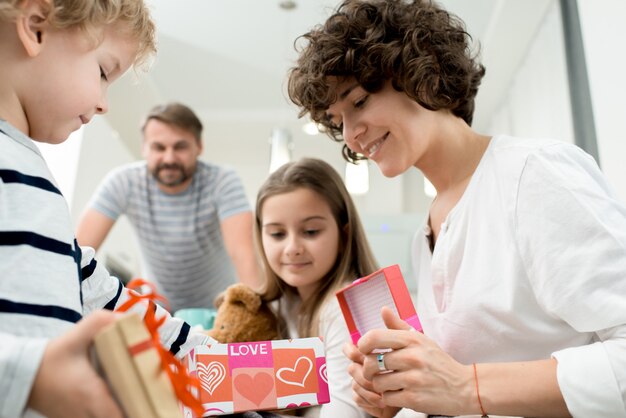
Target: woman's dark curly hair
(424,51)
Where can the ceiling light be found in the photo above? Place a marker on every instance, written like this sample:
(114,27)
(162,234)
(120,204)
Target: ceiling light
(310,128)
(357,177)
(280,148)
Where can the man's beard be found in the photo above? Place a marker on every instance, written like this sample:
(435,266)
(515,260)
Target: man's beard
(171,181)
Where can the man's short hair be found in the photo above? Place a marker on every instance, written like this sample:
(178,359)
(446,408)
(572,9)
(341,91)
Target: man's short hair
(178,115)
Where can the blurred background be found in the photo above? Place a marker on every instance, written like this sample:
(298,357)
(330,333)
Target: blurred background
(554,69)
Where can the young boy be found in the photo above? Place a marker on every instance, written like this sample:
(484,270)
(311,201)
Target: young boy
(58,58)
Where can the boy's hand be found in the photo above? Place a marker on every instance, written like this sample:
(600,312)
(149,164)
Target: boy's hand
(67,383)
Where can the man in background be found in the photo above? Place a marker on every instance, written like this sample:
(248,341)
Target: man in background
(192,218)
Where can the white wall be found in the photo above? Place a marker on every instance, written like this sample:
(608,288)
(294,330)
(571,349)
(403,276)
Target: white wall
(101,150)
(537,103)
(62,159)
(390,238)
(604,39)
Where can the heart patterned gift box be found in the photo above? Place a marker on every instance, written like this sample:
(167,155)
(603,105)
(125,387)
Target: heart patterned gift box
(264,375)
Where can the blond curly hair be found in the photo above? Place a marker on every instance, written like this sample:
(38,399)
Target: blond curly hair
(89,15)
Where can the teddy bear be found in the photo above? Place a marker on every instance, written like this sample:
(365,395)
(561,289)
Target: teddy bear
(243,317)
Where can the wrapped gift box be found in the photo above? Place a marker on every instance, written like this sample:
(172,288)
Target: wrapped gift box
(362,300)
(134,370)
(264,375)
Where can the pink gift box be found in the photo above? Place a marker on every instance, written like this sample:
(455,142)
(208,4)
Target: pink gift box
(362,300)
(263,375)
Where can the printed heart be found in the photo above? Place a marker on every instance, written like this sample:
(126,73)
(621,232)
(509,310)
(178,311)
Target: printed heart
(256,388)
(295,405)
(323,373)
(211,375)
(297,375)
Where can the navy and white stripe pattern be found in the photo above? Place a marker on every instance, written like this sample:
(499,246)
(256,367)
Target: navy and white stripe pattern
(47,283)
(179,235)
(37,245)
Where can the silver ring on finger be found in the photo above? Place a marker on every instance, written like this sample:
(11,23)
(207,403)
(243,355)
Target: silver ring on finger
(380,358)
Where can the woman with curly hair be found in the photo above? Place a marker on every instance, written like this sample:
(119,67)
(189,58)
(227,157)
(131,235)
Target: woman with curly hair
(523,314)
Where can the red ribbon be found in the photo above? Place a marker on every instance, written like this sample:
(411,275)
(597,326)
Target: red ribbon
(140,347)
(150,294)
(182,382)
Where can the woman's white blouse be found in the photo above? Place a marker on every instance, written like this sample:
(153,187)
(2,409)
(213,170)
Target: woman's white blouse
(531,263)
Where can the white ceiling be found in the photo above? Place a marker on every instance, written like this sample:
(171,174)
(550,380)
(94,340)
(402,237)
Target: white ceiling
(227,59)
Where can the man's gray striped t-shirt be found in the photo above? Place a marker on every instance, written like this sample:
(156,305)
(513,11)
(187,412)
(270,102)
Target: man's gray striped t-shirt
(179,234)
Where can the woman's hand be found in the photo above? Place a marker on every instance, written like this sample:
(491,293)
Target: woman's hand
(67,383)
(424,377)
(364,395)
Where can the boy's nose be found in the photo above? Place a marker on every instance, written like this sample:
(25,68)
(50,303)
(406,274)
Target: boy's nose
(103,106)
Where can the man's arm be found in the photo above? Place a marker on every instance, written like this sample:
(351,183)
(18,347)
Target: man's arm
(93,228)
(237,233)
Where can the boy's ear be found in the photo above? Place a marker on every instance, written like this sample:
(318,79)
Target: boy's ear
(32,25)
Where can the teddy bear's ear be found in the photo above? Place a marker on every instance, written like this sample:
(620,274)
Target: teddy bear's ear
(244,294)
(219,299)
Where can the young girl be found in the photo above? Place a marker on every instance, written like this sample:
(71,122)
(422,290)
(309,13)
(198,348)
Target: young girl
(312,244)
